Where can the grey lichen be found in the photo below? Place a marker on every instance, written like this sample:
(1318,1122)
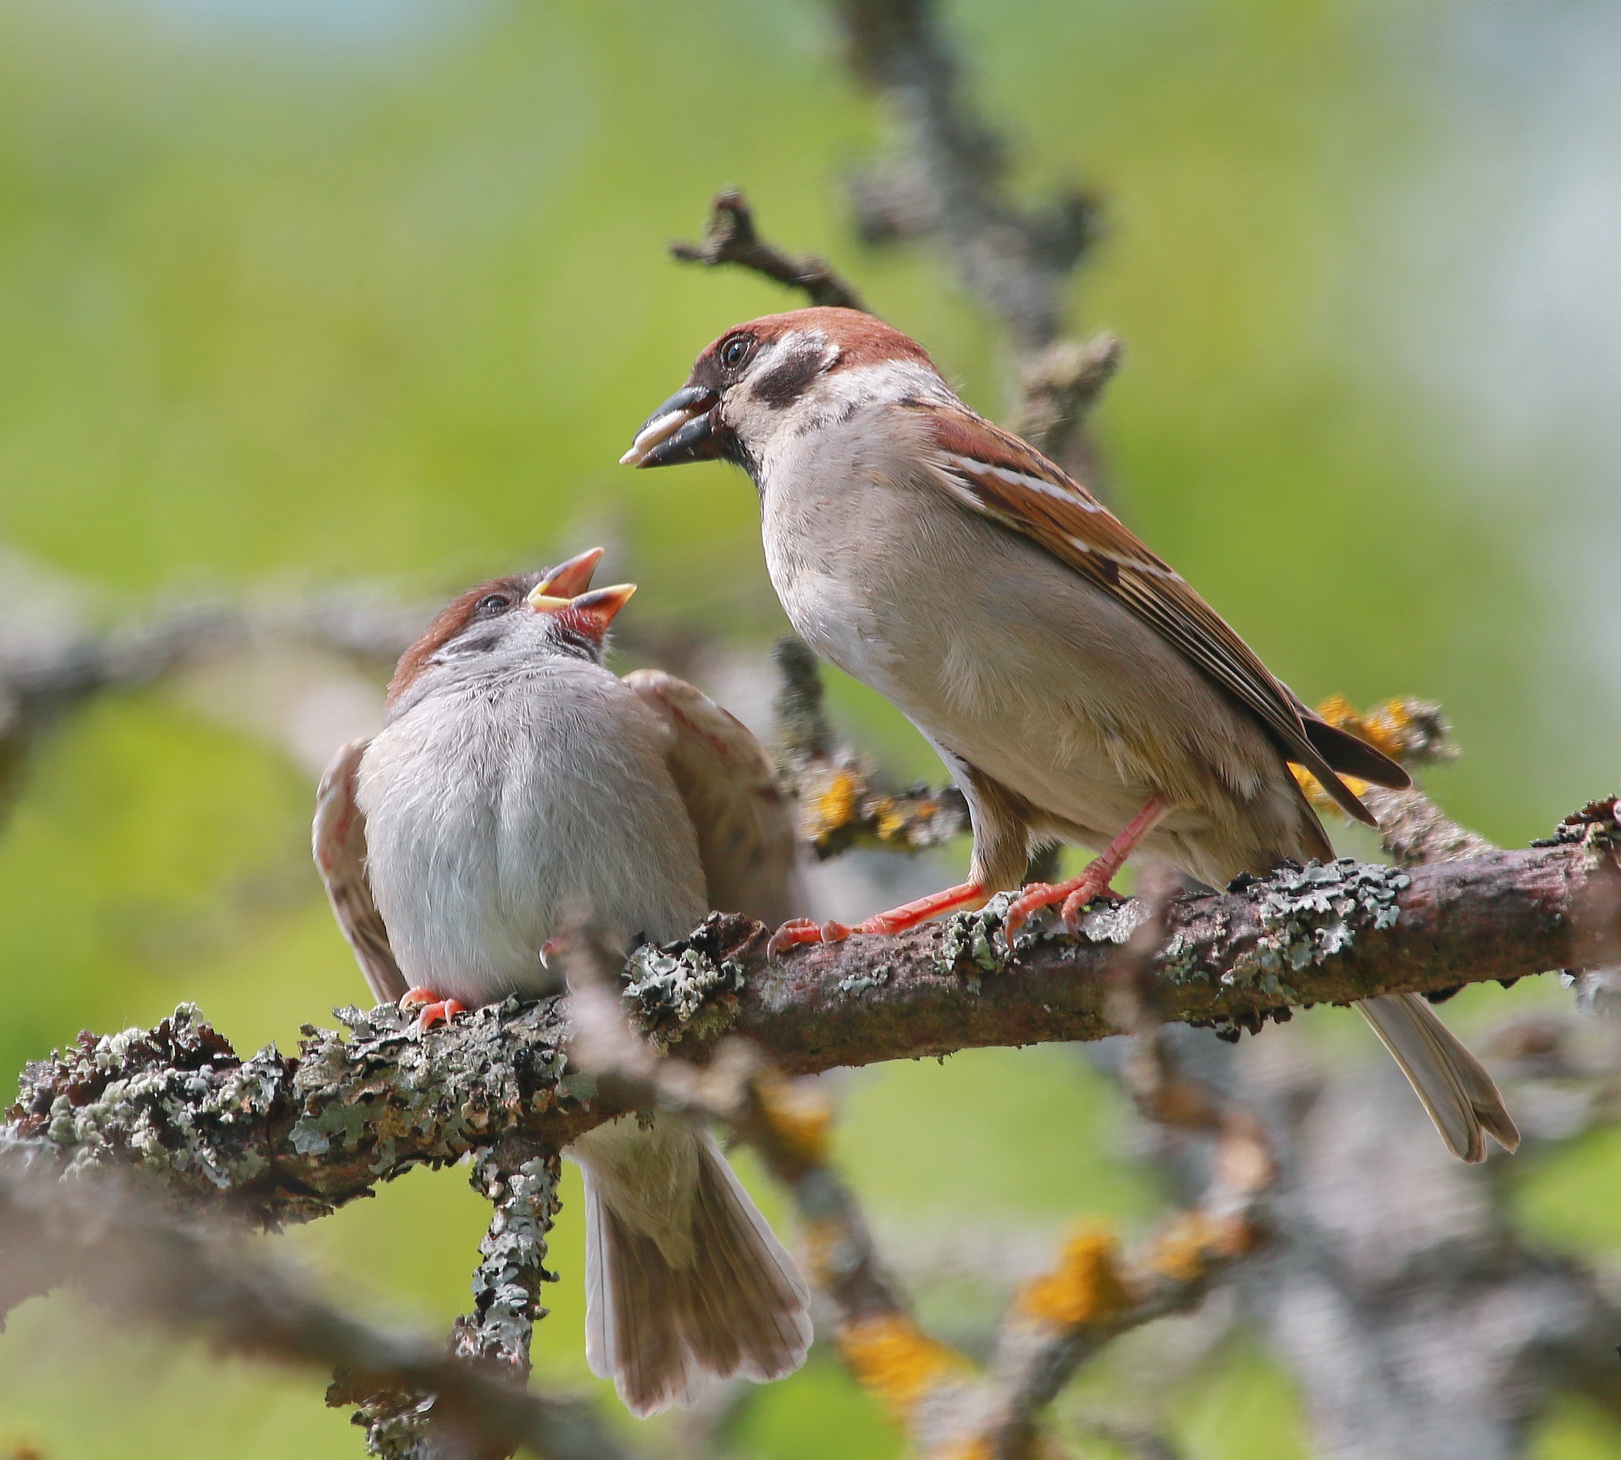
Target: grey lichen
(1310,913)
(860,983)
(968,940)
(680,986)
(166,1098)
(424,1099)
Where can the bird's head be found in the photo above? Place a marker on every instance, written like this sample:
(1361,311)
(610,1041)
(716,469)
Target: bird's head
(507,625)
(791,373)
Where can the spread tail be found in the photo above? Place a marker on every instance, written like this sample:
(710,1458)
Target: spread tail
(689,1290)
(1460,1097)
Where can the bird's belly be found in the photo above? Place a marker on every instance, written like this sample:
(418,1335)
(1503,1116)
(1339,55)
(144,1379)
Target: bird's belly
(478,851)
(1042,683)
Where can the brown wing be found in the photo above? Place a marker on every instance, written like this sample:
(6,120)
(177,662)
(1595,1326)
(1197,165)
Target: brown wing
(1007,480)
(340,856)
(744,823)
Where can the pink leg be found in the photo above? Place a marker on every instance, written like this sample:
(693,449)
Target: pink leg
(1092,883)
(896,920)
(434,1010)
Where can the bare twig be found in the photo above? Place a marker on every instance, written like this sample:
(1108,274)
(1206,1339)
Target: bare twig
(730,238)
(39,685)
(949,182)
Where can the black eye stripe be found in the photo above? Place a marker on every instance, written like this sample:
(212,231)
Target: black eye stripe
(786,380)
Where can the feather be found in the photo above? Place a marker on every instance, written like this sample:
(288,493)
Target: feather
(744,823)
(339,837)
(1458,1094)
(694,1291)
(1008,481)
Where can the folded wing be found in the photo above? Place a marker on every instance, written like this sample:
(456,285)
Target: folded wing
(1005,479)
(744,822)
(339,837)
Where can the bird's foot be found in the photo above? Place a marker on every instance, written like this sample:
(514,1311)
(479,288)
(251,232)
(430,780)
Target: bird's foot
(805,930)
(1074,895)
(430,1008)
(1092,883)
(896,920)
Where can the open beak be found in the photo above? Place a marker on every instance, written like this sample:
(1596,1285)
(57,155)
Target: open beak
(568,580)
(682,429)
(589,612)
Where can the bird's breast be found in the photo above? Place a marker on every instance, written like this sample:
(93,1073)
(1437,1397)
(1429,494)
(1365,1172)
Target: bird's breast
(495,815)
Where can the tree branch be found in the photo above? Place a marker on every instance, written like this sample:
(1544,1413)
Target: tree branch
(291,1138)
(133,1253)
(730,238)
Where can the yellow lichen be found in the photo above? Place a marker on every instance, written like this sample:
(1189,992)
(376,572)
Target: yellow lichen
(1084,1287)
(1389,727)
(889,819)
(1320,798)
(1401,729)
(836,806)
(800,1118)
(896,1362)
(821,1241)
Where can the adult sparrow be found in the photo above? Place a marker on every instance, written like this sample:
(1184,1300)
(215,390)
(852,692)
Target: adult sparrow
(1076,686)
(517,782)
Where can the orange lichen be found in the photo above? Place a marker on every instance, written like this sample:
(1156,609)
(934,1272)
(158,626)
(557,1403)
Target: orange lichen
(798,1117)
(1084,1287)
(1187,1249)
(1406,730)
(896,1362)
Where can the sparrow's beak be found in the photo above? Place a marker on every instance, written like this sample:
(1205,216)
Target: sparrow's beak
(589,612)
(682,429)
(572,578)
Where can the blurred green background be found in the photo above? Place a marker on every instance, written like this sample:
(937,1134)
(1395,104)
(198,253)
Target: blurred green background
(295,292)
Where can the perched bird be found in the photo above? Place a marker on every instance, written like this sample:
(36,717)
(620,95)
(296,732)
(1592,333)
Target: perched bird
(517,781)
(1076,686)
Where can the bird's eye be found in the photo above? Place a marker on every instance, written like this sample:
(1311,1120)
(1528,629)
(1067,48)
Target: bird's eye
(491,604)
(735,351)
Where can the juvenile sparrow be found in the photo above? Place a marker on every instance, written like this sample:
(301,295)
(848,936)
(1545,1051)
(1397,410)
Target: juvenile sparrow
(1075,685)
(517,781)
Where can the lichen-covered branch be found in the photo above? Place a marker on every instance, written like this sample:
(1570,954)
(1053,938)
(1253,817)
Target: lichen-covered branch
(131,1251)
(943,1401)
(519,1180)
(730,238)
(290,1138)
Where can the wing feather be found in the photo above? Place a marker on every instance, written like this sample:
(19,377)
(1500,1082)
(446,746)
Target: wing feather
(1008,481)
(339,837)
(744,823)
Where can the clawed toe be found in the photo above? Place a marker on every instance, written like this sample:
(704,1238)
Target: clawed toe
(430,1008)
(804,930)
(1073,895)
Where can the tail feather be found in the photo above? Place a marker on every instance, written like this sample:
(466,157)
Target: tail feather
(1458,1094)
(663,1328)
